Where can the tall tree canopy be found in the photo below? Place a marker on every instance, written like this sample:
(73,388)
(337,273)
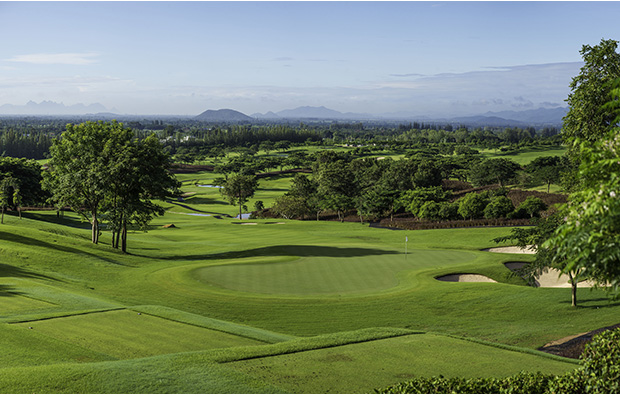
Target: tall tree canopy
(99,168)
(587,118)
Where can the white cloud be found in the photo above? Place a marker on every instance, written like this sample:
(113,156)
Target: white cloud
(76,59)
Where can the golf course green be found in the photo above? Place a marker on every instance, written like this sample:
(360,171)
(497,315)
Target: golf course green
(213,306)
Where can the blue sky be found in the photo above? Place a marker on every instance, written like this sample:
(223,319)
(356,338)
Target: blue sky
(423,58)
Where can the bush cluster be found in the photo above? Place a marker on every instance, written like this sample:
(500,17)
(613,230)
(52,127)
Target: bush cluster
(599,373)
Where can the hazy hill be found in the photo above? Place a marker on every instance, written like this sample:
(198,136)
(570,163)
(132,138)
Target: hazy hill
(223,115)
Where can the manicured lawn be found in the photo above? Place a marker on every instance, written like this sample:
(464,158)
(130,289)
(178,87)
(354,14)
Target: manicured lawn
(126,334)
(280,306)
(362,367)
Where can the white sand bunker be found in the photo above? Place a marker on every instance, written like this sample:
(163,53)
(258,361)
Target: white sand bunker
(248,223)
(466,278)
(512,250)
(551,278)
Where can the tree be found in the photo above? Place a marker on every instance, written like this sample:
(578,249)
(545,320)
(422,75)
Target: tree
(490,171)
(290,206)
(535,237)
(498,207)
(547,169)
(472,205)
(8,184)
(532,206)
(27,172)
(588,239)
(414,199)
(79,168)
(138,176)
(587,119)
(239,189)
(101,171)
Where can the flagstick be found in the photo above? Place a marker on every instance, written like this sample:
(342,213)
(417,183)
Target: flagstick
(406,240)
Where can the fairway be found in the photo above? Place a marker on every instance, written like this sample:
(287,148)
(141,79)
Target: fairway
(325,271)
(126,334)
(385,361)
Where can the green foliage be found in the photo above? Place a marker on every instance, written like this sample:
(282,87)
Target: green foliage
(498,207)
(587,118)
(522,383)
(588,240)
(547,169)
(490,171)
(27,175)
(532,206)
(291,206)
(472,205)
(414,199)
(601,363)
(239,188)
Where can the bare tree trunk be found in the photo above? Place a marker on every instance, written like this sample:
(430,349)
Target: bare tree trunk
(124,236)
(573,285)
(95,228)
(2,219)
(19,211)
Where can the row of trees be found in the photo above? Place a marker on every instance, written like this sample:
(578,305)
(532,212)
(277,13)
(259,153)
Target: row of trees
(103,172)
(377,188)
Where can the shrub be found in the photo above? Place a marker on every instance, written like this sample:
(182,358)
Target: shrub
(499,207)
(601,363)
(430,211)
(472,206)
(533,206)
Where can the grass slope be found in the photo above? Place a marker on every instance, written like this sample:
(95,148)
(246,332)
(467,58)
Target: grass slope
(220,300)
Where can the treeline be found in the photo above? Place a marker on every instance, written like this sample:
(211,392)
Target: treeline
(25,144)
(373,189)
(30,137)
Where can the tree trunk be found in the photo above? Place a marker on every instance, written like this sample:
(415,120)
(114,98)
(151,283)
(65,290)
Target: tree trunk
(95,228)
(19,211)
(573,285)
(2,219)
(124,236)
(239,208)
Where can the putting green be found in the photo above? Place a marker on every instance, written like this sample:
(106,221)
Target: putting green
(332,274)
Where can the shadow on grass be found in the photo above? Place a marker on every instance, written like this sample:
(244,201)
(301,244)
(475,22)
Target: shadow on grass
(287,250)
(196,210)
(12,271)
(62,220)
(593,303)
(29,241)
(203,200)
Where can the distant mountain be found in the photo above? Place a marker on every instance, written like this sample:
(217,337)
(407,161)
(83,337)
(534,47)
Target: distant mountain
(223,115)
(51,108)
(268,115)
(320,113)
(540,115)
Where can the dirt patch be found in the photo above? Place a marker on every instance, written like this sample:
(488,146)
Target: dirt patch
(572,346)
(465,278)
